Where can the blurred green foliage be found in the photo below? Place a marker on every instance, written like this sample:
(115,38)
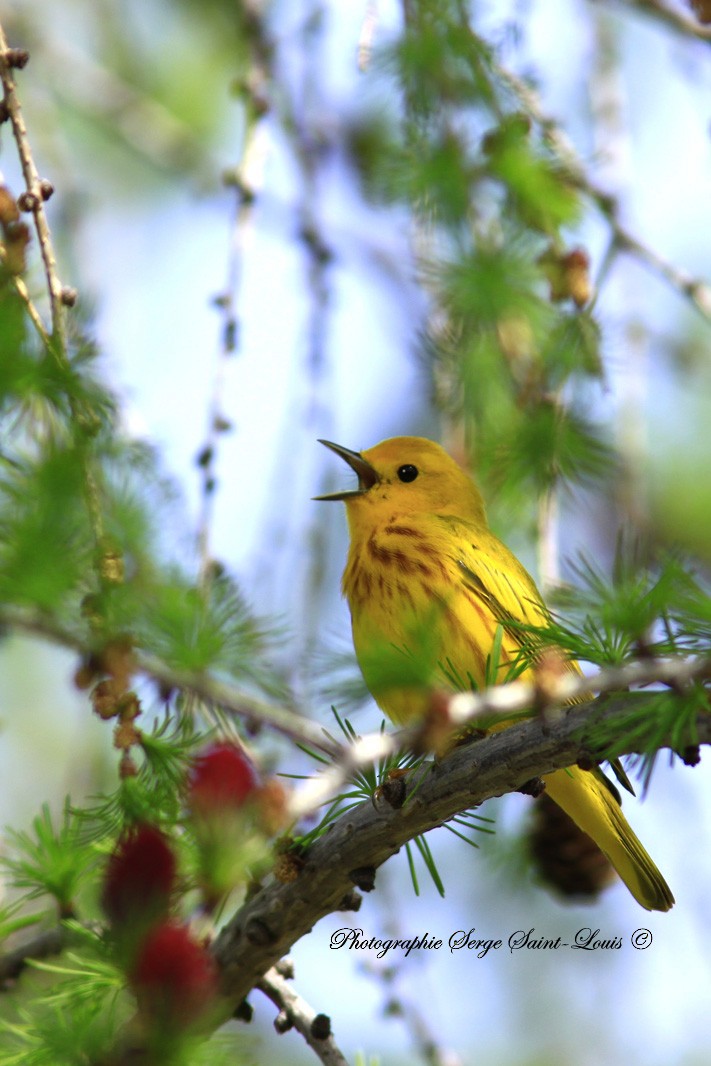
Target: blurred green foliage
(494,204)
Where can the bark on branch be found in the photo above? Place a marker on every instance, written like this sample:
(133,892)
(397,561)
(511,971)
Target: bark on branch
(274,919)
(295,1011)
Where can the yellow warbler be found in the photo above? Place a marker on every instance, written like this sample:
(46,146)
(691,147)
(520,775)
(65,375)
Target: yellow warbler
(428,586)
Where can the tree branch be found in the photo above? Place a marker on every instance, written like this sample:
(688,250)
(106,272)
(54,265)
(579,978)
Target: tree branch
(13,962)
(297,1013)
(693,289)
(462,708)
(277,916)
(36,190)
(280,719)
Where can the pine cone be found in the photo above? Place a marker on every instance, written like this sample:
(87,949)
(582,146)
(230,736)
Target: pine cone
(567,859)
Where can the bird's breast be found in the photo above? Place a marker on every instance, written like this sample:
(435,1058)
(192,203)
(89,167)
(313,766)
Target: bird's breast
(395,569)
(414,622)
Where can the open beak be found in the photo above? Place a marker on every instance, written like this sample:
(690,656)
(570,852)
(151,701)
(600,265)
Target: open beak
(367,476)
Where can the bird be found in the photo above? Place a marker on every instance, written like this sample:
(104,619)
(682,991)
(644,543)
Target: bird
(431,590)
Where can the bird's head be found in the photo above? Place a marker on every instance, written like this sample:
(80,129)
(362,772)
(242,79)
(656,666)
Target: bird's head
(406,475)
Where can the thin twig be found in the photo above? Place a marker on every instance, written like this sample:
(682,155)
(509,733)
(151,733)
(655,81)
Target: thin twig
(366,35)
(669,17)
(397,1006)
(311,140)
(388,971)
(466,707)
(310,143)
(281,720)
(547,540)
(698,292)
(36,192)
(297,1013)
(611,130)
(35,316)
(246,179)
(258,712)
(36,195)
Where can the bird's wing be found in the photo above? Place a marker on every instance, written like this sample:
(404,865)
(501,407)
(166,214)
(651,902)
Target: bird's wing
(493,574)
(496,577)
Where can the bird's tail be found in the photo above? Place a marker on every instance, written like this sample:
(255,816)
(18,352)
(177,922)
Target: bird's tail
(585,796)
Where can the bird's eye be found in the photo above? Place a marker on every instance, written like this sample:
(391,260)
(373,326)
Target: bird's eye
(408,472)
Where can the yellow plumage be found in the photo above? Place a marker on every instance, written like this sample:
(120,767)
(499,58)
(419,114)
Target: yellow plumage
(428,586)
